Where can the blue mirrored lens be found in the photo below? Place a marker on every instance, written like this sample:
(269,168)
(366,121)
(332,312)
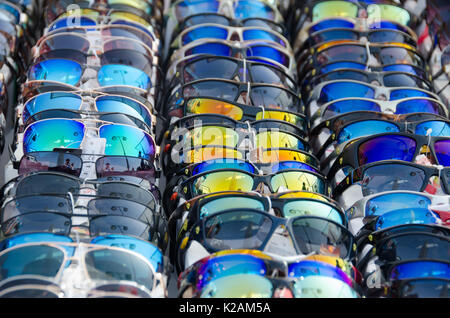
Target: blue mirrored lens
(404,68)
(191,7)
(294,208)
(365,128)
(146,249)
(223,163)
(119,104)
(346,106)
(419,269)
(406,216)
(314,268)
(418,106)
(118,74)
(338,65)
(438,128)
(72,21)
(253,9)
(37,238)
(283,165)
(204,32)
(331,23)
(269,53)
(395,201)
(384,24)
(51,100)
(57,70)
(255,34)
(405,93)
(123,140)
(210,48)
(339,90)
(237,202)
(45,135)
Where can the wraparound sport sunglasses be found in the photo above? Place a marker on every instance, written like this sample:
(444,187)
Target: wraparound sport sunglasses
(392,146)
(230,68)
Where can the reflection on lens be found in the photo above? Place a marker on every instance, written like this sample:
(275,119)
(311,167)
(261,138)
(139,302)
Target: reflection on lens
(211,106)
(388,12)
(433,128)
(222,181)
(224,163)
(212,136)
(278,139)
(209,153)
(420,269)
(239,286)
(221,204)
(278,155)
(386,148)
(57,70)
(311,208)
(442,150)
(365,128)
(330,9)
(297,180)
(283,116)
(395,201)
(425,288)
(323,287)
(406,216)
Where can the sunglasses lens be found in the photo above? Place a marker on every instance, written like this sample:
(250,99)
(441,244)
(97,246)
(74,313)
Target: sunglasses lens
(50,161)
(115,224)
(308,268)
(419,106)
(395,201)
(277,139)
(365,128)
(228,265)
(209,153)
(210,48)
(283,116)
(392,177)
(226,203)
(47,101)
(72,21)
(301,194)
(341,107)
(322,287)
(123,140)
(212,136)
(237,230)
(149,251)
(269,52)
(117,104)
(339,90)
(239,286)
(253,9)
(57,70)
(297,180)
(427,288)
(314,234)
(388,12)
(35,238)
(406,216)
(126,191)
(292,165)
(204,32)
(262,35)
(64,42)
(117,74)
(37,222)
(211,106)
(311,208)
(120,165)
(389,147)
(274,98)
(269,156)
(330,9)
(420,269)
(205,18)
(53,133)
(187,8)
(442,150)
(140,5)
(405,93)
(223,164)
(438,128)
(116,265)
(128,208)
(223,181)
(40,260)
(330,24)
(387,36)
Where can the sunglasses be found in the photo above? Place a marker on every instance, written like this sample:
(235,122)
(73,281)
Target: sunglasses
(228,33)
(51,259)
(122,140)
(349,126)
(238,180)
(254,229)
(332,90)
(374,11)
(365,53)
(11,12)
(388,79)
(392,146)
(230,68)
(72,163)
(255,51)
(254,94)
(56,183)
(221,19)
(236,111)
(76,101)
(419,269)
(147,249)
(227,263)
(418,288)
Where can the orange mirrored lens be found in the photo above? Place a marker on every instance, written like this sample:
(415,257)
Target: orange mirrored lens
(209,153)
(211,106)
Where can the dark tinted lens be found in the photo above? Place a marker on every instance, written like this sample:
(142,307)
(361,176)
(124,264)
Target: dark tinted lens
(398,80)
(330,35)
(383,36)
(237,230)
(343,53)
(321,236)
(121,207)
(386,148)
(28,292)
(273,97)
(112,165)
(212,88)
(209,68)
(50,161)
(119,118)
(414,246)
(114,265)
(37,222)
(113,224)
(425,288)
(387,177)
(128,57)
(126,191)
(345,74)
(48,184)
(206,18)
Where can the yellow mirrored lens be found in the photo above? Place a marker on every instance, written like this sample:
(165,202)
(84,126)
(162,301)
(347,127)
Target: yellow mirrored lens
(278,139)
(329,9)
(280,115)
(239,286)
(208,153)
(129,17)
(388,12)
(297,180)
(211,106)
(138,4)
(301,194)
(212,136)
(223,181)
(255,253)
(268,156)
(335,261)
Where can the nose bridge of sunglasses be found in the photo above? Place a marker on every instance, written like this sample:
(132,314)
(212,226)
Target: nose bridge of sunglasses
(281,242)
